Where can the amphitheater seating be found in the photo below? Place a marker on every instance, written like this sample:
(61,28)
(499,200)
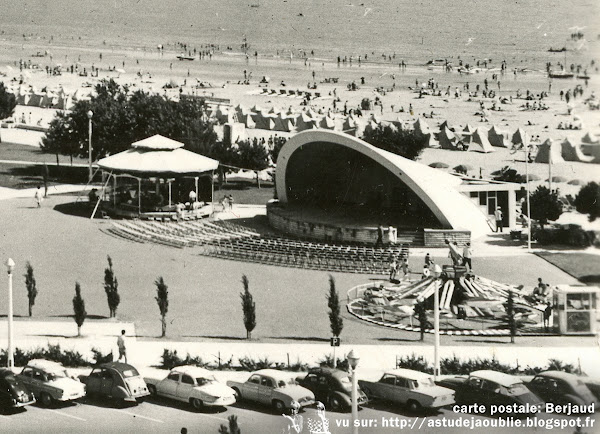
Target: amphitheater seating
(227,240)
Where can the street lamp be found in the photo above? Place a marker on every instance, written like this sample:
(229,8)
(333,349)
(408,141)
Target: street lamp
(90,114)
(353,362)
(10,266)
(437,272)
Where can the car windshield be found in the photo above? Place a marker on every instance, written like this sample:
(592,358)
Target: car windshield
(288,382)
(128,373)
(517,389)
(424,382)
(202,381)
(55,375)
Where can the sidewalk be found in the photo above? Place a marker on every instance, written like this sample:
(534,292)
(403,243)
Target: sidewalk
(14,193)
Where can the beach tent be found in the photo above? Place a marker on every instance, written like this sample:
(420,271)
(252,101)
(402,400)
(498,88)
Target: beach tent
(497,138)
(248,121)
(421,128)
(283,123)
(447,139)
(371,126)
(519,138)
(445,124)
(592,151)
(327,123)
(305,122)
(349,124)
(572,152)
(590,138)
(479,141)
(468,129)
(548,152)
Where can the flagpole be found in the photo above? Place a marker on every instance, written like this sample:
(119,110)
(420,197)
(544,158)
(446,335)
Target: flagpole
(528,204)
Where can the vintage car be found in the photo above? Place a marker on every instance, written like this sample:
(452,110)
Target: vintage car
(192,384)
(13,393)
(332,387)
(491,387)
(560,387)
(50,382)
(414,389)
(118,381)
(274,388)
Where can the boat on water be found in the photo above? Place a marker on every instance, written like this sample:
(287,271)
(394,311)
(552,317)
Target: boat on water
(561,74)
(557,50)
(181,57)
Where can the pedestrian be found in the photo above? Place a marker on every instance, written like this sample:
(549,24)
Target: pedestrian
(405,269)
(39,197)
(428,260)
(393,269)
(498,216)
(192,196)
(467,255)
(392,235)
(231,202)
(426,272)
(225,203)
(121,345)
(379,242)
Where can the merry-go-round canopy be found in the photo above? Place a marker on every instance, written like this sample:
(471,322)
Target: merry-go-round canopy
(158,156)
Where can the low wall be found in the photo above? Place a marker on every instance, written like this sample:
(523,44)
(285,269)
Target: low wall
(438,237)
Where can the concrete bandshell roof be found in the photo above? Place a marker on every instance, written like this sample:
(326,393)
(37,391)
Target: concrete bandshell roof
(438,189)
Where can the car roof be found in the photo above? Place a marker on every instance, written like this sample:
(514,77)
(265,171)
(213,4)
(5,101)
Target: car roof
(193,371)
(45,365)
(5,372)
(277,375)
(501,378)
(558,375)
(116,365)
(409,373)
(329,371)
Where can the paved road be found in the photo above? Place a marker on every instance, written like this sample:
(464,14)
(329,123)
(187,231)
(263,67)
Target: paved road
(165,416)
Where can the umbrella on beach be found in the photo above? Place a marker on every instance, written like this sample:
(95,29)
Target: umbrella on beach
(462,168)
(534,177)
(558,179)
(575,182)
(439,165)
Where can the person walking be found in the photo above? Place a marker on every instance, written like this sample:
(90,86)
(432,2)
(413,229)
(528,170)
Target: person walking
(39,197)
(379,242)
(467,255)
(405,269)
(498,216)
(393,269)
(122,348)
(428,260)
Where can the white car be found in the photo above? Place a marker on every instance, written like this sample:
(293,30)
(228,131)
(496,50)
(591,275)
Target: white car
(50,382)
(192,384)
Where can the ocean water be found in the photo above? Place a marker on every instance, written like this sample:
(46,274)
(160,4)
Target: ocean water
(518,31)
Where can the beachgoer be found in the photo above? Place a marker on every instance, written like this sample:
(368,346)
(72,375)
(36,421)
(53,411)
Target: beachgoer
(428,260)
(467,255)
(393,268)
(230,201)
(392,235)
(379,242)
(405,269)
(39,197)
(498,216)
(426,272)
(122,348)
(192,196)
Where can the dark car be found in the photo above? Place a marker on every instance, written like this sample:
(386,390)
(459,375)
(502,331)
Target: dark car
(333,387)
(117,381)
(13,393)
(491,388)
(560,387)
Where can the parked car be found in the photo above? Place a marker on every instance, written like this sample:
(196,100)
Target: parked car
(414,389)
(274,388)
(13,393)
(192,384)
(115,380)
(333,387)
(593,385)
(560,387)
(491,387)
(50,382)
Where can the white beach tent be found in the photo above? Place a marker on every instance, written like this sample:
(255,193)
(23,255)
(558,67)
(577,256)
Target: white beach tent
(497,138)
(447,139)
(572,152)
(519,138)
(421,127)
(479,141)
(549,152)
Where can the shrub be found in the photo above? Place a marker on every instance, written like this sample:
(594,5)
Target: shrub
(571,235)
(249,364)
(340,363)
(414,362)
(171,359)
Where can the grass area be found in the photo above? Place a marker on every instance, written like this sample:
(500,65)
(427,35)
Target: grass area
(245,191)
(22,176)
(13,151)
(585,267)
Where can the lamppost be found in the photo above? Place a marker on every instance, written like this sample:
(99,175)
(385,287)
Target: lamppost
(10,266)
(353,362)
(90,114)
(437,272)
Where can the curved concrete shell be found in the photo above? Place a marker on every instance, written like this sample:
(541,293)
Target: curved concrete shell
(437,189)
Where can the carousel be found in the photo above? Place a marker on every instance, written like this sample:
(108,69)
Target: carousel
(156,179)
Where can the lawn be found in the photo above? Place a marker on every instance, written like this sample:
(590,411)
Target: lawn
(585,267)
(245,191)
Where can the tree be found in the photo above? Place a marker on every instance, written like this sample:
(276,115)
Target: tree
(587,200)
(510,316)
(336,322)
(111,287)
(545,205)
(421,314)
(253,155)
(162,298)
(32,291)
(8,102)
(508,174)
(401,142)
(249,308)
(79,308)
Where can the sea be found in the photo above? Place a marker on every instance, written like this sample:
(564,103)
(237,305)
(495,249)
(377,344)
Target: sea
(520,32)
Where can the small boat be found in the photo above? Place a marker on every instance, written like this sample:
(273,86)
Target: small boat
(561,74)
(583,77)
(181,57)
(557,50)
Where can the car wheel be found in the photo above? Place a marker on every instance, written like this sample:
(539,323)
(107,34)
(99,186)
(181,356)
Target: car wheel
(279,407)
(367,392)
(335,404)
(238,395)
(45,399)
(413,406)
(196,403)
(152,389)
